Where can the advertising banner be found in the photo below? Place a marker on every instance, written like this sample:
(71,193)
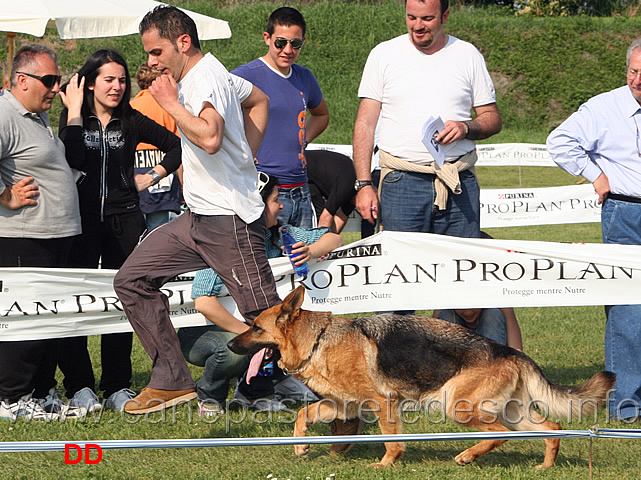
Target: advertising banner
(490,154)
(388,271)
(518,207)
(521,207)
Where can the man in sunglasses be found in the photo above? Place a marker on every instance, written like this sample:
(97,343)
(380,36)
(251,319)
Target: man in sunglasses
(297,113)
(39,215)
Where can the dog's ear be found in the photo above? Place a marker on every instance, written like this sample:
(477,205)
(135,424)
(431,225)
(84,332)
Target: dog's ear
(290,307)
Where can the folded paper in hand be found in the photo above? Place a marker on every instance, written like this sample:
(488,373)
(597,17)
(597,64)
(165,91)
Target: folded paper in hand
(428,134)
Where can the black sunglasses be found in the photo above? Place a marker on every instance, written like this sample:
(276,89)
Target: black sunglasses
(281,43)
(47,80)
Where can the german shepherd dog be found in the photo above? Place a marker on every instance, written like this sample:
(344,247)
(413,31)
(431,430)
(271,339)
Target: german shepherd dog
(385,359)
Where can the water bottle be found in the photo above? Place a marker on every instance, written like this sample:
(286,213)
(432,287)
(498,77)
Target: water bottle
(289,241)
(267,370)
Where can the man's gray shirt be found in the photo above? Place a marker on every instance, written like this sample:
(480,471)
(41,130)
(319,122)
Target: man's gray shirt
(29,147)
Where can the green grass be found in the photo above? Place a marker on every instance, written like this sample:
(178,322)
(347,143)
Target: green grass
(543,69)
(567,342)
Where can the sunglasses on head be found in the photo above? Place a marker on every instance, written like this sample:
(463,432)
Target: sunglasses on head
(281,43)
(263,179)
(47,80)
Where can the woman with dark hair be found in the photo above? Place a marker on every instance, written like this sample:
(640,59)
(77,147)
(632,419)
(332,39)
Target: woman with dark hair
(100,131)
(207,346)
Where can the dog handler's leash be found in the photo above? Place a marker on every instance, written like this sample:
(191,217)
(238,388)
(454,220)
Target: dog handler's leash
(304,363)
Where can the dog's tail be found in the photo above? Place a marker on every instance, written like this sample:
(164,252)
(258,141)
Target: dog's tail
(561,401)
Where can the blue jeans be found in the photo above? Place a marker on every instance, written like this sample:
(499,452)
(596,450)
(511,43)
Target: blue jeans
(407,205)
(155,219)
(621,224)
(297,207)
(491,323)
(207,347)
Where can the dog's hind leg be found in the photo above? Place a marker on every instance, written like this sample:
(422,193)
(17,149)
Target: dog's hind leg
(352,426)
(473,403)
(534,421)
(483,447)
(322,411)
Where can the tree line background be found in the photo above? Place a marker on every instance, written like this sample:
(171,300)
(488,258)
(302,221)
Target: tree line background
(546,57)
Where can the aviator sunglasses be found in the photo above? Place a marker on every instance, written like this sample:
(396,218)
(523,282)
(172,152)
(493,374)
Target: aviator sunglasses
(47,80)
(296,43)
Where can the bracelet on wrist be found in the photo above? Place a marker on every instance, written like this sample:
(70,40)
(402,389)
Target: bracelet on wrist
(467,129)
(154,175)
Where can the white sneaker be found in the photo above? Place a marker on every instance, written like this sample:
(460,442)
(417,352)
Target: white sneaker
(27,408)
(261,404)
(117,400)
(53,404)
(290,387)
(210,408)
(86,399)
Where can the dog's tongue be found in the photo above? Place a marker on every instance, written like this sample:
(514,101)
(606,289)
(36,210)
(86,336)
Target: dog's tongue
(254,365)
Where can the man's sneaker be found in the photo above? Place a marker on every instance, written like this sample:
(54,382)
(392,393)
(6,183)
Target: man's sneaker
(154,400)
(290,387)
(53,404)
(86,399)
(210,408)
(27,408)
(260,404)
(117,400)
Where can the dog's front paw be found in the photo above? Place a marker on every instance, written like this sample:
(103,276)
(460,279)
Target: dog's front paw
(301,450)
(377,465)
(464,458)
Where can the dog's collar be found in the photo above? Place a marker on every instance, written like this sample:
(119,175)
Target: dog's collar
(304,363)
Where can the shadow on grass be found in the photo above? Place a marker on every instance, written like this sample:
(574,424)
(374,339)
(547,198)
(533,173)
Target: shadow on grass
(417,453)
(514,453)
(575,375)
(140,379)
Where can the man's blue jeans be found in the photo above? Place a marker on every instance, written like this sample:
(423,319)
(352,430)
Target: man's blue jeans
(157,218)
(491,323)
(297,207)
(207,347)
(407,205)
(621,224)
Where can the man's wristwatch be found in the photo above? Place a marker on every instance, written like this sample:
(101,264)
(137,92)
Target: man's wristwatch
(154,176)
(361,183)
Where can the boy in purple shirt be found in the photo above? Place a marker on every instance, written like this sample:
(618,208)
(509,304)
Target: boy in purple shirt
(297,113)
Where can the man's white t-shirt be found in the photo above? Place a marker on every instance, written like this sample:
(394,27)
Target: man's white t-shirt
(411,86)
(224,183)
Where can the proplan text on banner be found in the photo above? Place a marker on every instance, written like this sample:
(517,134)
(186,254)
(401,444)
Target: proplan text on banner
(539,206)
(516,207)
(490,155)
(388,271)
(393,271)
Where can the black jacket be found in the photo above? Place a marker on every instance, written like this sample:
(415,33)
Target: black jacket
(108,161)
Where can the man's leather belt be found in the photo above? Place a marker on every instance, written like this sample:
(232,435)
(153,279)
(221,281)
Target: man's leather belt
(624,198)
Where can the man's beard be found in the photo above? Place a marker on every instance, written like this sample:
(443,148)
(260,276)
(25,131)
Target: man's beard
(426,42)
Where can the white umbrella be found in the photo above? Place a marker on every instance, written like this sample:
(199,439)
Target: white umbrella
(91,19)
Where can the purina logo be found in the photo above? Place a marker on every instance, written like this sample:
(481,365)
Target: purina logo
(515,196)
(181,278)
(355,252)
